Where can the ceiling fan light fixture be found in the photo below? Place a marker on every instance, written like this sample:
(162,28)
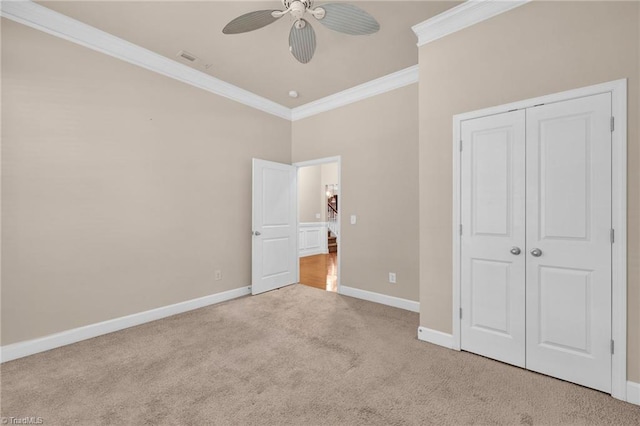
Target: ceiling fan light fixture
(318,13)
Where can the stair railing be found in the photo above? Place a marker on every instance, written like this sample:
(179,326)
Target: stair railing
(332,216)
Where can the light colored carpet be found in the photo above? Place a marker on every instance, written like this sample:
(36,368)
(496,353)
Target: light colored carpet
(294,356)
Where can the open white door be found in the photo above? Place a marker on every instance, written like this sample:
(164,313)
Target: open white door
(274,246)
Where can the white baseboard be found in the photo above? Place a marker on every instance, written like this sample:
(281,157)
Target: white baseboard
(446,340)
(633,393)
(312,252)
(436,337)
(396,302)
(52,341)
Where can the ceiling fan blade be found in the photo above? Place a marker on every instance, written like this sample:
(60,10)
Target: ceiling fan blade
(250,21)
(302,41)
(348,19)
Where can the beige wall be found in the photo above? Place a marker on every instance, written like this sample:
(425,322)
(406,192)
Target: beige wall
(536,49)
(122,190)
(312,199)
(378,141)
(310,194)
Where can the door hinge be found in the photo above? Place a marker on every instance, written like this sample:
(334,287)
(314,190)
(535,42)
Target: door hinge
(460,229)
(613,347)
(460,145)
(613,123)
(460,313)
(613,235)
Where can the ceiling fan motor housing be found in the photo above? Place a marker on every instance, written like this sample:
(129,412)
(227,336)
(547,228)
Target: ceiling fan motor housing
(306,3)
(298,9)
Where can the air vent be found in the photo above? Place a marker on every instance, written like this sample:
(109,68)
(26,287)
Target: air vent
(188,56)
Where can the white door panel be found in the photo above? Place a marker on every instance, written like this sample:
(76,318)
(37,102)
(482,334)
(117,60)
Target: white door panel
(274,245)
(559,328)
(489,296)
(492,278)
(313,239)
(569,221)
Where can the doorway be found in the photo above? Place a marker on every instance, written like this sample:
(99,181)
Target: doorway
(319,203)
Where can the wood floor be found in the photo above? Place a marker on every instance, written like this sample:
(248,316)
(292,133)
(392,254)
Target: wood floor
(320,271)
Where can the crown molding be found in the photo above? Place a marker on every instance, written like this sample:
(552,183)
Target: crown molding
(41,18)
(462,16)
(366,90)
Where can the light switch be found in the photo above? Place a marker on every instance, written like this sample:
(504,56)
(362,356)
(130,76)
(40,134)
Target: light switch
(353,219)
(317,215)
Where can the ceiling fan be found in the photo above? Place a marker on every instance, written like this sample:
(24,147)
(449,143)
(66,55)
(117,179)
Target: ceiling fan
(341,17)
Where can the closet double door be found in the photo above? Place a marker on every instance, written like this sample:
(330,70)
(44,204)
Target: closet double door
(536,239)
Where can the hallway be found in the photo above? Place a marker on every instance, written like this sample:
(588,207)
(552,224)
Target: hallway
(320,271)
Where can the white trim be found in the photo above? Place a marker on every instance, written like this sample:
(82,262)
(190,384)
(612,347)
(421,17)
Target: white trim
(436,337)
(62,26)
(633,393)
(312,224)
(616,87)
(363,91)
(52,341)
(319,161)
(455,230)
(384,299)
(462,16)
(618,90)
(311,252)
(326,160)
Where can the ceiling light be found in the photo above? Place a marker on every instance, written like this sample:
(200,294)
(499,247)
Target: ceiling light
(293,94)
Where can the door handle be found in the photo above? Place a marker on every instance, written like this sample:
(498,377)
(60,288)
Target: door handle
(256,233)
(515,251)
(536,252)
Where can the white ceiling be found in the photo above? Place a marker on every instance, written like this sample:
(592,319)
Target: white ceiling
(260,61)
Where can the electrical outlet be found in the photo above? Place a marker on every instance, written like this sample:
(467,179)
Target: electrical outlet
(217,275)
(392,277)
(317,215)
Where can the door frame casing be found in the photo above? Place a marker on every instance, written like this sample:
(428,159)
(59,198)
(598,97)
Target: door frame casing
(317,162)
(618,90)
